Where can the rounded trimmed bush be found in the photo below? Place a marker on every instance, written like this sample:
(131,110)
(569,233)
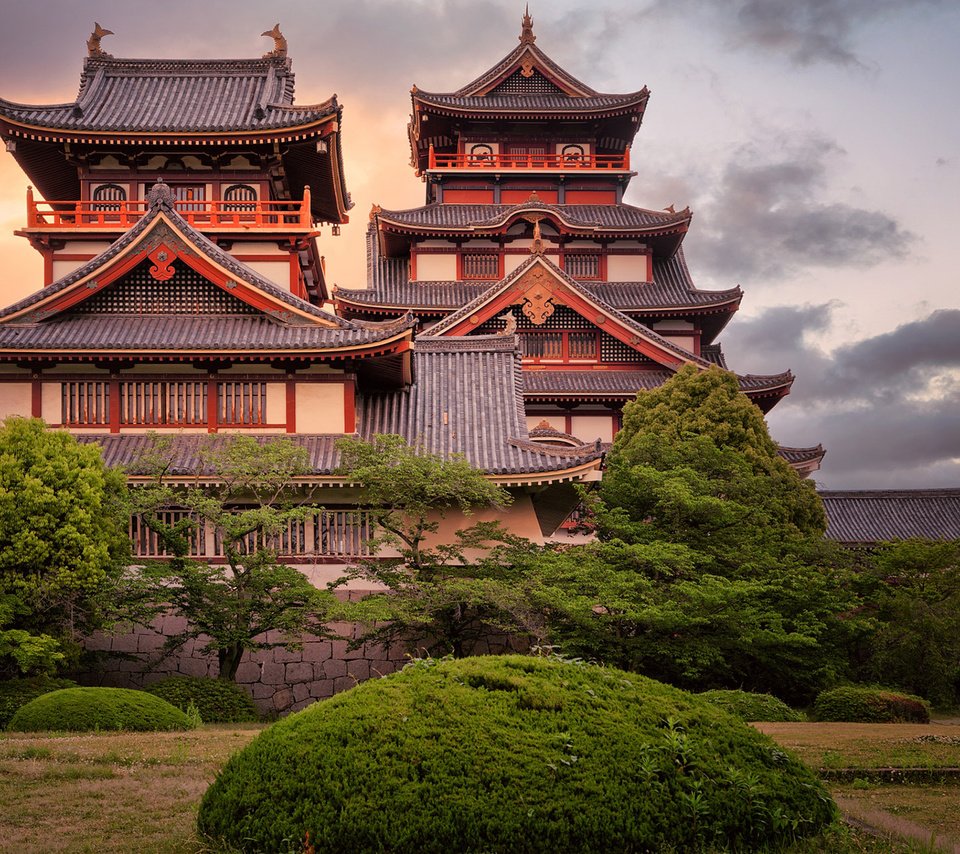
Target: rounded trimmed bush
(85,709)
(15,693)
(217,701)
(512,753)
(857,704)
(752,707)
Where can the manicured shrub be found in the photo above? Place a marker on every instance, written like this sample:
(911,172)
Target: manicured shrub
(857,704)
(752,707)
(512,753)
(15,693)
(85,709)
(217,700)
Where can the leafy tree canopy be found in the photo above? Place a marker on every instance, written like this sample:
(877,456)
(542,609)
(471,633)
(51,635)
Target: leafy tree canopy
(63,543)
(694,464)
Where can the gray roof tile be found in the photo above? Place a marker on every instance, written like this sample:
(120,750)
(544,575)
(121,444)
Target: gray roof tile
(467,399)
(616,383)
(177,96)
(864,517)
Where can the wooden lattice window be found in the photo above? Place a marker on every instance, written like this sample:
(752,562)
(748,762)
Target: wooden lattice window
(242,403)
(85,403)
(481,265)
(534,84)
(109,197)
(161,403)
(240,197)
(582,265)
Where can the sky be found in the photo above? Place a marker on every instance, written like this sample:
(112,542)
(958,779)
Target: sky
(816,141)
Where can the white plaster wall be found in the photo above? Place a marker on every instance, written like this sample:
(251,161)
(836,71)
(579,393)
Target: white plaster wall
(51,407)
(511,262)
(626,268)
(558,422)
(589,428)
(15,399)
(276,403)
(277,272)
(320,407)
(436,268)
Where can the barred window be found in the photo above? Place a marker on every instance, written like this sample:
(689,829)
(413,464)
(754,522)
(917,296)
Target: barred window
(582,265)
(242,403)
(163,403)
(478,265)
(85,403)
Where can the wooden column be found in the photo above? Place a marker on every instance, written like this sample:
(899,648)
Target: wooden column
(114,403)
(36,395)
(212,402)
(349,406)
(291,384)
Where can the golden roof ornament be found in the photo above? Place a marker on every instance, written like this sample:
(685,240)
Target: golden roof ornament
(93,43)
(536,248)
(374,210)
(509,324)
(279,42)
(526,32)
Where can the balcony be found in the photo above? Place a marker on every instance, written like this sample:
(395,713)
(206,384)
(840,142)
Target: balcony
(212,215)
(558,162)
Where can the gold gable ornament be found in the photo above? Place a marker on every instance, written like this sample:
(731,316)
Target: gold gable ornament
(93,43)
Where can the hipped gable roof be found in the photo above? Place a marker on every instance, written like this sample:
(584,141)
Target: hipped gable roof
(48,319)
(615,322)
(177,96)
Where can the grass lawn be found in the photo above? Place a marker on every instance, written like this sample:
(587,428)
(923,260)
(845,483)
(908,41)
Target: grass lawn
(123,792)
(110,792)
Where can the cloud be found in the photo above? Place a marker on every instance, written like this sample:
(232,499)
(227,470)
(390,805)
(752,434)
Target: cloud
(767,218)
(804,32)
(887,408)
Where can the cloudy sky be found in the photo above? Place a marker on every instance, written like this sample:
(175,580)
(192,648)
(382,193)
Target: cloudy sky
(817,141)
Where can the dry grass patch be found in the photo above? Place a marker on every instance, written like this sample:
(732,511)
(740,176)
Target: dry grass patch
(110,792)
(841,745)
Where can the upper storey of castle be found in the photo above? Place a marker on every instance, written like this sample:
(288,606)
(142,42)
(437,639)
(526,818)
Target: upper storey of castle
(526,117)
(222,132)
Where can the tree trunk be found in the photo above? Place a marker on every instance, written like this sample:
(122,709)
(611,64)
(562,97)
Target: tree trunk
(229,658)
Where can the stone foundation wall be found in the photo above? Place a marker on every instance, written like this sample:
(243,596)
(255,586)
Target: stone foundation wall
(279,680)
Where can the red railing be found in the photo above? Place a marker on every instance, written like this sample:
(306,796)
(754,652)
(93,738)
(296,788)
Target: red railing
(462,160)
(121,214)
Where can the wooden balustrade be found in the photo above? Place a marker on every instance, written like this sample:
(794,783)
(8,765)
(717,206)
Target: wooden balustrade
(463,160)
(327,533)
(119,215)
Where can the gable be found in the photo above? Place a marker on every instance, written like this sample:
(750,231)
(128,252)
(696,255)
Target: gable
(538,289)
(185,292)
(521,83)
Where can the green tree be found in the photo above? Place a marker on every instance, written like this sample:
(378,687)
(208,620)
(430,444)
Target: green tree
(913,588)
(440,593)
(63,544)
(244,495)
(711,570)
(694,464)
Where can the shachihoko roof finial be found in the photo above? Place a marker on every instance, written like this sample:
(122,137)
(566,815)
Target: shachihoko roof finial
(279,42)
(526,32)
(93,43)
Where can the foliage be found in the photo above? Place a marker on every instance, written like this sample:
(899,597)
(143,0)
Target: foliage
(711,571)
(752,707)
(216,700)
(63,544)
(649,607)
(245,497)
(15,693)
(443,592)
(694,464)
(859,704)
(913,588)
(87,709)
(513,754)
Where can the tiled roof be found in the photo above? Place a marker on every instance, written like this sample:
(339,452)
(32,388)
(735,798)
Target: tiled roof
(184,450)
(540,103)
(177,96)
(467,399)
(801,455)
(549,383)
(485,217)
(179,332)
(863,517)
(389,285)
